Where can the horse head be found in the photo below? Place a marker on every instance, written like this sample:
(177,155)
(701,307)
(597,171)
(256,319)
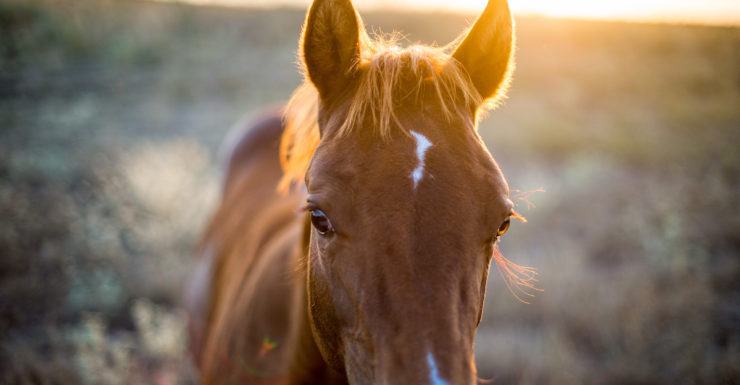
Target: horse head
(405,201)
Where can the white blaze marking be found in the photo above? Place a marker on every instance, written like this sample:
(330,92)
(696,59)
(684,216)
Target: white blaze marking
(422,145)
(434,372)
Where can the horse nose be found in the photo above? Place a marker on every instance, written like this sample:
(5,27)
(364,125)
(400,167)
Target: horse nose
(425,367)
(404,358)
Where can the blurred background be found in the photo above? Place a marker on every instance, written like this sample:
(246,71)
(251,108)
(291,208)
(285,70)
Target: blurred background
(112,113)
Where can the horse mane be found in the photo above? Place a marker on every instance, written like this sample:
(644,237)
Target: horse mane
(387,74)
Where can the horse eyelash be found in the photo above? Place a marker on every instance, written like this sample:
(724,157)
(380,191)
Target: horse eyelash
(520,280)
(516,215)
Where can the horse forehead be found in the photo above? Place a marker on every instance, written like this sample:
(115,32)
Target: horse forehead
(442,155)
(422,146)
(419,161)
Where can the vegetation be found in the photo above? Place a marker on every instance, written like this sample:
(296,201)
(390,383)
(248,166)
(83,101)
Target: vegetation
(111,114)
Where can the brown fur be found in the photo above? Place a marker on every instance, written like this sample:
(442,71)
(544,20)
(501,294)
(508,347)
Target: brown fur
(380,69)
(402,278)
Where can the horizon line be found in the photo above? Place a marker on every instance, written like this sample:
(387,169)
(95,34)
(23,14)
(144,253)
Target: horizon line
(675,18)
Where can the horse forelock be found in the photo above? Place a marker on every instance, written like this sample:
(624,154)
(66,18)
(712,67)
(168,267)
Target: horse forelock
(388,76)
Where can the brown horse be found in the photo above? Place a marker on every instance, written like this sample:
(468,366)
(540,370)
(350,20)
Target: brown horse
(371,266)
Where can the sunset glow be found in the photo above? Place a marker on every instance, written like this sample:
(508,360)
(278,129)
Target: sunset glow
(641,9)
(707,11)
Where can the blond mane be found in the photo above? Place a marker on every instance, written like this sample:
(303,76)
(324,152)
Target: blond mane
(387,74)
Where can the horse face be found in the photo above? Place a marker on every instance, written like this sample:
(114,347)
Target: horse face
(399,251)
(403,223)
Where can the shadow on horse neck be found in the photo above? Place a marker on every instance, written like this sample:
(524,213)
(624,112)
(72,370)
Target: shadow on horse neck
(355,234)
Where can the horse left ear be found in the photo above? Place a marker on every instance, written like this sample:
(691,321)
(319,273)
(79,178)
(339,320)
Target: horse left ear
(486,52)
(331,44)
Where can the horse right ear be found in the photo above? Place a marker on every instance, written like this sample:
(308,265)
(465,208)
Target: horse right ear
(331,44)
(486,52)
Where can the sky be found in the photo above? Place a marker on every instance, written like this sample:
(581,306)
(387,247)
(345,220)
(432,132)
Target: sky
(697,11)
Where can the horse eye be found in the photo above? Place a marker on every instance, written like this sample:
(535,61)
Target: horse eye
(504,226)
(321,222)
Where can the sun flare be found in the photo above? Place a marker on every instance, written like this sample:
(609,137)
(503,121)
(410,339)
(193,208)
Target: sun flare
(712,10)
(707,11)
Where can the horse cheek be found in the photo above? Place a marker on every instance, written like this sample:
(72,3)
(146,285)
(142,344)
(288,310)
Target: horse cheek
(322,314)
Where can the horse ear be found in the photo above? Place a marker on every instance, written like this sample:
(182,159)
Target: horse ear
(486,51)
(331,44)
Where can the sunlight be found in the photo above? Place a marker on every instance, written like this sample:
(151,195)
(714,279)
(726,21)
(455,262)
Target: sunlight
(707,11)
(659,10)
(581,8)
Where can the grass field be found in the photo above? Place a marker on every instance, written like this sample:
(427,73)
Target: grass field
(111,115)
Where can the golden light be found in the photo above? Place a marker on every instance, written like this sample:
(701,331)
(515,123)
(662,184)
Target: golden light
(711,11)
(657,10)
